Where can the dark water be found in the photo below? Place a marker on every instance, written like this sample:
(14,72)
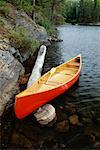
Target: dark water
(28,134)
(76,40)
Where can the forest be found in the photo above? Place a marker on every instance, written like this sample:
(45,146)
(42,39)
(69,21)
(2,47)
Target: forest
(47,12)
(82,11)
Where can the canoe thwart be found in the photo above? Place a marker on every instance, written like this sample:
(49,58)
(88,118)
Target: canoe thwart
(50,82)
(65,73)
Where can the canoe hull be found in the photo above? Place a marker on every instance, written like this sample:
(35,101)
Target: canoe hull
(26,105)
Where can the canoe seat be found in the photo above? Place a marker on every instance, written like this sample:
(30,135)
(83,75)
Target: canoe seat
(58,78)
(67,74)
(53,83)
(74,64)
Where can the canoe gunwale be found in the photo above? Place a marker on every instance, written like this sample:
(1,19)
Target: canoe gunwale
(60,85)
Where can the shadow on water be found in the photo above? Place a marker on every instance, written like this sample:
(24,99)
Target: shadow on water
(85,94)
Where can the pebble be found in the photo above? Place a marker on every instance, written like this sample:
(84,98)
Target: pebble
(62,126)
(74,120)
(70,108)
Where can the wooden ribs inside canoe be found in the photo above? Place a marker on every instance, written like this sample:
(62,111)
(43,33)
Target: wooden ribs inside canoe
(47,87)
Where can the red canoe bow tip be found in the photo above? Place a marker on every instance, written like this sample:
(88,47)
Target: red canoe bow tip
(20,114)
(17,112)
(19,109)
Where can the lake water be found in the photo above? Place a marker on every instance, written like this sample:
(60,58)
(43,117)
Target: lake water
(83,40)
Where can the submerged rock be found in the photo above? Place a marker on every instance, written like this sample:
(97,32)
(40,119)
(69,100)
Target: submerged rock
(80,141)
(70,108)
(74,119)
(97,145)
(55,39)
(45,114)
(62,126)
(18,140)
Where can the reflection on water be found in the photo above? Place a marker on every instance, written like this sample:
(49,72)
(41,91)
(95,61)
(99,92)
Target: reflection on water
(76,40)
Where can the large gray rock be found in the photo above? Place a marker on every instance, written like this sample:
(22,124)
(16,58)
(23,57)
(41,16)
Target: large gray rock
(5,45)
(35,31)
(10,69)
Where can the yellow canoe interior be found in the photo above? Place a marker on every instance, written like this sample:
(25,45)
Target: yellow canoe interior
(55,77)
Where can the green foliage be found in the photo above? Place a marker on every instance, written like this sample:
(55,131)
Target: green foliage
(2,2)
(42,20)
(49,13)
(26,6)
(82,11)
(51,10)
(58,19)
(4,9)
(20,40)
(46,24)
(23,5)
(50,28)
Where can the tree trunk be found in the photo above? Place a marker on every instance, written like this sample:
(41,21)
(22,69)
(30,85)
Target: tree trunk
(33,12)
(53,3)
(95,4)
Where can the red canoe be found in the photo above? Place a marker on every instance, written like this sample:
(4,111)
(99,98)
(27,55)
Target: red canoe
(47,87)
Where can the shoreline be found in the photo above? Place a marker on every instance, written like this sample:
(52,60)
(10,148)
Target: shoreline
(82,24)
(89,24)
